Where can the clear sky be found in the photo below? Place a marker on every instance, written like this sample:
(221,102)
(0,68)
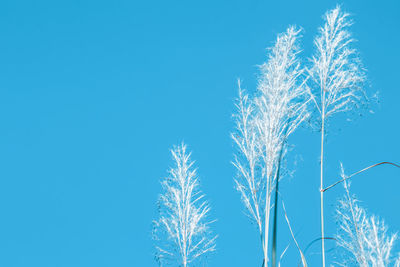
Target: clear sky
(93,94)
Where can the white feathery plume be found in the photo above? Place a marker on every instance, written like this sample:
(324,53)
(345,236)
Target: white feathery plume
(182,232)
(364,237)
(263,124)
(337,78)
(336,68)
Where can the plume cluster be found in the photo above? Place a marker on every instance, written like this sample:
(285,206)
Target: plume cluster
(182,231)
(264,120)
(364,237)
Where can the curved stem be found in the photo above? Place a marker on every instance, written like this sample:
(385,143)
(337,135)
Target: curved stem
(367,168)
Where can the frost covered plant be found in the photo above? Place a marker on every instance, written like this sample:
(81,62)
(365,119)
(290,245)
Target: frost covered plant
(336,77)
(364,237)
(182,231)
(263,124)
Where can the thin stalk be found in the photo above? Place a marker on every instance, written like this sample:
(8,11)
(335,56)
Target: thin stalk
(322,183)
(266,227)
(275,225)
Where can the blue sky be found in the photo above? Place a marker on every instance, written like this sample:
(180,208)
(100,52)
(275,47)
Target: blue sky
(93,94)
